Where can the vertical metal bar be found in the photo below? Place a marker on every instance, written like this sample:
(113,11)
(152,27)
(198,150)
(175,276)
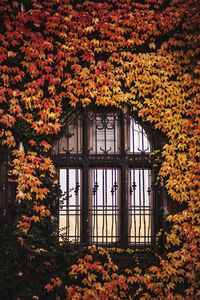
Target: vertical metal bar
(144,211)
(133,206)
(149,206)
(134,202)
(97,231)
(117,221)
(124,219)
(67,204)
(77,205)
(113,206)
(93,208)
(115,127)
(159,199)
(58,212)
(105,134)
(130,208)
(103,183)
(106,205)
(140,203)
(85,186)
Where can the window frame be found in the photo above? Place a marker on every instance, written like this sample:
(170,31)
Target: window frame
(125,161)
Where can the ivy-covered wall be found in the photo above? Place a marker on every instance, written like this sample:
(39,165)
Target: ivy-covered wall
(60,54)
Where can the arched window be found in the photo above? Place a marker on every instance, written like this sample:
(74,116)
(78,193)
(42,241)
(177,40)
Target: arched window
(107,180)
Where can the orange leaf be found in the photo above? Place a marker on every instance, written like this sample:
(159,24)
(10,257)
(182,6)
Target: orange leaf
(48,287)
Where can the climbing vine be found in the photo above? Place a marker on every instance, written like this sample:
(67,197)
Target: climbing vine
(62,54)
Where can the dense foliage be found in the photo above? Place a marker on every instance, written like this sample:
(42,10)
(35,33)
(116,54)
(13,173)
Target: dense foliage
(62,54)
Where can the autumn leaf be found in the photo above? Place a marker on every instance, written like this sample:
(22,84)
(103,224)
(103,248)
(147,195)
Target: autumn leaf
(48,287)
(140,55)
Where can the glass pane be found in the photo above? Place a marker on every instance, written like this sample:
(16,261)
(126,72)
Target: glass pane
(104,134)
(140,207)
(138,139)
(104,209)
(71,141)
(70,205)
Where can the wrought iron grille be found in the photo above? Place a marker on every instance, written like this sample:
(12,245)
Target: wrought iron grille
(106,179)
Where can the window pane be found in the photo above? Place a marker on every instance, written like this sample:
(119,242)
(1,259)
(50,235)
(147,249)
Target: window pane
(140,207)
(104,131)
(69,210)
(71,141)
(138,139)
(104,209)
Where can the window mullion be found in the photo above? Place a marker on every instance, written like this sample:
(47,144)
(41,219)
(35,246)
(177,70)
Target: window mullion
(85,182)
(124,206)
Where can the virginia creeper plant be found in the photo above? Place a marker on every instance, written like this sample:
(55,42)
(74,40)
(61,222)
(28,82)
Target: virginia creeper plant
(62,54)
